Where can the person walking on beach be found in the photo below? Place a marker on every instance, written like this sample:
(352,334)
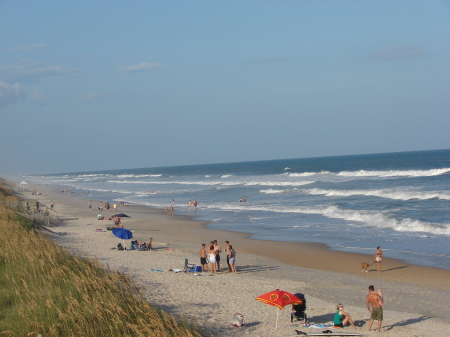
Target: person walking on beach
(217,249)
(379,257)
(51,205)
(171,210)
(374,305)
(90,205)
(203,258)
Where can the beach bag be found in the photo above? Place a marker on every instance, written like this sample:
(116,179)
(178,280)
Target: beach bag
(238,320)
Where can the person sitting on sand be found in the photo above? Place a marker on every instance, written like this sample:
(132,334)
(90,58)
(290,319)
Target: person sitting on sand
(341,318)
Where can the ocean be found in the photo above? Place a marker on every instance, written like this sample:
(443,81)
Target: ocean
(399,201)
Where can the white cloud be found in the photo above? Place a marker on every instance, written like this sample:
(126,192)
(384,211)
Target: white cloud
(91,97)
(10,93)
(399,52)
(31,47)
(30,71)
(139,67)
(39,97)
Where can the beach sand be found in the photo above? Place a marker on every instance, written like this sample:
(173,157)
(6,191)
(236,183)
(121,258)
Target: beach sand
(416,298)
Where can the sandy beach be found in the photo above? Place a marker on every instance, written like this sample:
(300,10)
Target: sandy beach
(416,298)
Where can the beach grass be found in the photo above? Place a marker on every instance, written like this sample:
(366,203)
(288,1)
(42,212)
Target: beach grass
(45,290)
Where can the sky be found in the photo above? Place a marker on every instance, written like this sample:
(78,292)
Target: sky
(99,85)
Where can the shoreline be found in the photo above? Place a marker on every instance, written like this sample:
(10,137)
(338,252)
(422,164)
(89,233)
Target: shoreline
(326,277)
(288,252)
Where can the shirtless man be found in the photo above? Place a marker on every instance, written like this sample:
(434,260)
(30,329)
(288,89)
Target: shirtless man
(203,258)
(217,250)
(379,257)
(374,305)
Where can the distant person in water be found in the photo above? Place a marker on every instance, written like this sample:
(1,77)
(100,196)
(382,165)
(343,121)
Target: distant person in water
(379,257)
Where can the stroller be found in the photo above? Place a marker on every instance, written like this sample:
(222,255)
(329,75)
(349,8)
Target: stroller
(298,310)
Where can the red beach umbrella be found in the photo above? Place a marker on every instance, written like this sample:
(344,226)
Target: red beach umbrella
(279,298)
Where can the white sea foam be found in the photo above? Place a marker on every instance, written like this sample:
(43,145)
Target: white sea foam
(138,175)
(227,176)
(368,218)
(395,194)
(394,173)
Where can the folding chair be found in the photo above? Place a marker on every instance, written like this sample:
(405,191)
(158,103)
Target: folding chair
(188,266)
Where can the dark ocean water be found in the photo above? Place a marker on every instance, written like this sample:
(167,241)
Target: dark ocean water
(399,201)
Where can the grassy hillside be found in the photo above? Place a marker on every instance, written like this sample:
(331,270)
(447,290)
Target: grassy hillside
(44,290)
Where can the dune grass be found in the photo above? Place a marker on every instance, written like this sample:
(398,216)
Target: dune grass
(45,290)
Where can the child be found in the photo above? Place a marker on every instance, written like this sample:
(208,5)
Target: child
(381,295)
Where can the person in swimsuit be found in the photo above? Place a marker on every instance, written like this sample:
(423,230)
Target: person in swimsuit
(212,260)
(374,305)
(203,258)
(232,259)
(341,318)
(379,257)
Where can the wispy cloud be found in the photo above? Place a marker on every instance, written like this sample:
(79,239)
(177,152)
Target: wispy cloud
(10,93)
(139,67)
(30,71)
(91,97)
(31,47)
(39,97)
(400,52)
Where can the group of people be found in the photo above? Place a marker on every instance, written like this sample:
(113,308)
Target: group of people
(210,257)
(374,303)
(192,203)
(141,245)
(170,210)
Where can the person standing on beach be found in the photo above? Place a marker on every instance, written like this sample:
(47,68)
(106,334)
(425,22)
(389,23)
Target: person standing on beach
(115,207)
(227,250)
(374,305)
(171,210)
(203,258)
(379,257)
(90,205)
(212,260)
(100,208)
(217,249)
(149,244)
(51,205)
(232,259)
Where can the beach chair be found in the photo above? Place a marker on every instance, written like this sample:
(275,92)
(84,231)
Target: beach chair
(299,310)
(188,266)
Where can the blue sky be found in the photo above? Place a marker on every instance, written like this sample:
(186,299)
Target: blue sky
(94,85)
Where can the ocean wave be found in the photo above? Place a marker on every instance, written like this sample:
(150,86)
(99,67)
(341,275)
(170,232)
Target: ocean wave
(137,175)
(227,176)
(394,173)
(367,218)
(272,191)
(394,194)
(278,183)
(309,174)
